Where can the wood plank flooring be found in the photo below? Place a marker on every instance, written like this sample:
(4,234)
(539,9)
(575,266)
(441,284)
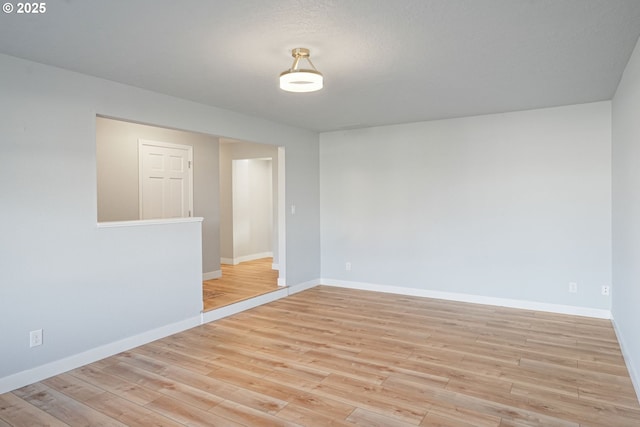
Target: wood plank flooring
(240,282)
(339,357)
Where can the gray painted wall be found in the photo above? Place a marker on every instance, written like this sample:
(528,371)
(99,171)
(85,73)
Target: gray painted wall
(625,291)
(89,287)
(512,205)
(117,175)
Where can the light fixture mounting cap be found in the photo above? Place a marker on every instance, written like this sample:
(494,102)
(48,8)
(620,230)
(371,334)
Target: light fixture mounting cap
(300,51)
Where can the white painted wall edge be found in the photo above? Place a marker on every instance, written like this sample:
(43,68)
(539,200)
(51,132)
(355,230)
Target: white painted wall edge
(212,275)
(137,223)
(42,372)
(475,299)
(635,376)
(274,266)
(245,258)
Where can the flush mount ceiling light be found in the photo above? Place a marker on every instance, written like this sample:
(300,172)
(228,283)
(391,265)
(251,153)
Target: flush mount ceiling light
(300,79)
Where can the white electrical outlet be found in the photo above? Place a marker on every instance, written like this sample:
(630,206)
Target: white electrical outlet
(347,266)
(605,290)
(573,287)
(35,338)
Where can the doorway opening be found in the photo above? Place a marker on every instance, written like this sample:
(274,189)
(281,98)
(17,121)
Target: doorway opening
(251,223)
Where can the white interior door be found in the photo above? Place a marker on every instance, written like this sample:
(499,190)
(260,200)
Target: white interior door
(166,180)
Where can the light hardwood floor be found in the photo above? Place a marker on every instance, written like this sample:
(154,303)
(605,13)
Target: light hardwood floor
(338,357)
(240,282)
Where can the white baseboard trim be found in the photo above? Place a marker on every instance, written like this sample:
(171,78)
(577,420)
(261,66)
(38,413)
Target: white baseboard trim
(475,299)
(628,360)
(39,373)
(57,367)
(212,275)
(252,257)
(303,286)
(238,307)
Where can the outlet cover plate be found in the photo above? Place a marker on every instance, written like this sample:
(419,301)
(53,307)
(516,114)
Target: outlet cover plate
(573,287)
(35,338)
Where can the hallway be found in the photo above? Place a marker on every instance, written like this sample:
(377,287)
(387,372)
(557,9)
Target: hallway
(239,282)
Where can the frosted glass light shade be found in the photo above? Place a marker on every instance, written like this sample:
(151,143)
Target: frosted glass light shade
(301,81)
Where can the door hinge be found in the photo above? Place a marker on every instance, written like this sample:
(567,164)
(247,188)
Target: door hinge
(189,213)
(189,164)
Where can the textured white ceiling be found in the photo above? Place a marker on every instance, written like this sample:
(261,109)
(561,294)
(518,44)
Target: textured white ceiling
(384,61)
